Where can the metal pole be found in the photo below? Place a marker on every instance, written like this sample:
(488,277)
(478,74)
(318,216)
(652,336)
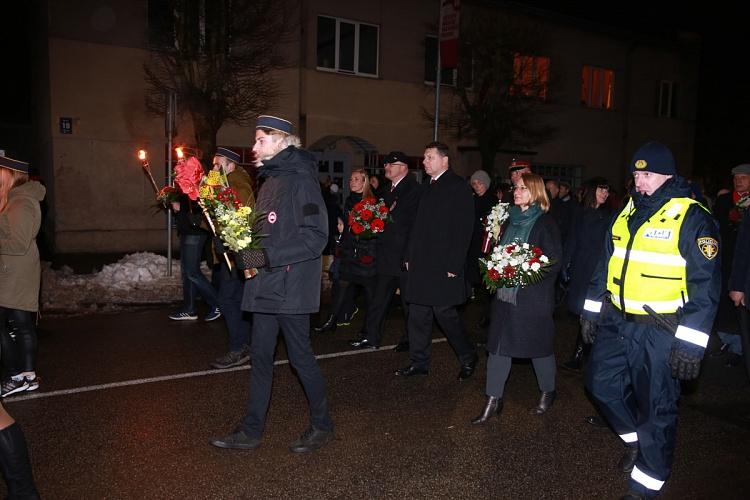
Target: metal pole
(437,78)
(171,108)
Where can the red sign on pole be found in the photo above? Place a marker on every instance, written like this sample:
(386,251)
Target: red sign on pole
(449,33)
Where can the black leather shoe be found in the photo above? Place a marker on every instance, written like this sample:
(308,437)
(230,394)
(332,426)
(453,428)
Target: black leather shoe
(402,347)
(410,371)
(627,461)
(467,370)
(312,439)
(363,344)
(545,403)
(238,440)
(492,408)
(596,421)
(328,326)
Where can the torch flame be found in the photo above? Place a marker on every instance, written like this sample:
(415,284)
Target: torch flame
(180,153)
(141,154)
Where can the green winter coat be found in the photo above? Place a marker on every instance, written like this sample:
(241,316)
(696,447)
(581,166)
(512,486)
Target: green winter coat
(20,271)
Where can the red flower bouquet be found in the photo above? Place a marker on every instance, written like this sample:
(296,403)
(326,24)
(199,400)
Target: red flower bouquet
(188,176)
(367,218)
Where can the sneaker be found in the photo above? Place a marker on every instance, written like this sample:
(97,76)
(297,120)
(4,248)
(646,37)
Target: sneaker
(33,383)
(238,440)
(13,385)
(183,316)
(347,319)
(214,314)
(232,358)
(312,439)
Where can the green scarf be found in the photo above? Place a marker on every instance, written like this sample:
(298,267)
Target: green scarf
(518,229)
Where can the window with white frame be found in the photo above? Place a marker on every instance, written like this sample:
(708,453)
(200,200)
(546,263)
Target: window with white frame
(666,99)
(347,46)
(597,87)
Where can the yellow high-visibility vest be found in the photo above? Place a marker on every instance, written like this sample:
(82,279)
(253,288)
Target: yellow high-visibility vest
(647,268)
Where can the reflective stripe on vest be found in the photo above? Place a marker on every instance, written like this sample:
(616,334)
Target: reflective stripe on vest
(647,268)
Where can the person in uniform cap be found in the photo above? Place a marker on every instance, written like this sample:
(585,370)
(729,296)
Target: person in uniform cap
(20,219)
(229,296)
(515,170)
(648,312)
(402,198)
(286,289)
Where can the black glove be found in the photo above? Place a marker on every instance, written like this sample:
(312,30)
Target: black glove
(219,245)
(249,259)
(588,330)
(685,361)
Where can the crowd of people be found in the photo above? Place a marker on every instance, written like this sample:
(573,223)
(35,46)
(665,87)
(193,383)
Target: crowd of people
(645,274)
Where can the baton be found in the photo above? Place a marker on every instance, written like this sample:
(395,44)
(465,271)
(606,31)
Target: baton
(662,321)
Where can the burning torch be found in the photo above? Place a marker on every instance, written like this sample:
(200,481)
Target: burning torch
(143,156)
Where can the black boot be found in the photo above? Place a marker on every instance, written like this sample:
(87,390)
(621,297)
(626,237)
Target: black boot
(14,462)
(575,362)
(627,461)
(328,326)
(545,403)
(492,408)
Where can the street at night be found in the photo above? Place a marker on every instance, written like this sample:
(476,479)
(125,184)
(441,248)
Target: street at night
(127,408)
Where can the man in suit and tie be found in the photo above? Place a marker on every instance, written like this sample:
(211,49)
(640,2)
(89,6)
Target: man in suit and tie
(401,198)
(436,261)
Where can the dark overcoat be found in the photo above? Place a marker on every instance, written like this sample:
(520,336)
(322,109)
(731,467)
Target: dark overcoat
(439,242)
(583,249)
(403,202)
(740,277)
(295,227)
(527,330)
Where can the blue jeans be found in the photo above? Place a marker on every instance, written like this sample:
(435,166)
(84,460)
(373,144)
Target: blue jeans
(193,280)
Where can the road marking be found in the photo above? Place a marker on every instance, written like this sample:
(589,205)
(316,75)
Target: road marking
(203,373)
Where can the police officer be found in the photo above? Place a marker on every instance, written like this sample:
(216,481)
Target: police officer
(661,254)
(286,289)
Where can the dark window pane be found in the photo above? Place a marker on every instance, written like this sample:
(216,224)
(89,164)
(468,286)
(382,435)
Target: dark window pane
(338,166)
(326,42)
(368,49)
(346,46)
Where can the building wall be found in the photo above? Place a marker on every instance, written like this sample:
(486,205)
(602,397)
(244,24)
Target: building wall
(100,200)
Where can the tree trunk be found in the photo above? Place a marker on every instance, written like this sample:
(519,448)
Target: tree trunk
(205,138)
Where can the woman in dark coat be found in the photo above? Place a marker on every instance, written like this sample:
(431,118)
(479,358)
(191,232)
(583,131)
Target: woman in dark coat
(357,266)
(521,324)
(583,249)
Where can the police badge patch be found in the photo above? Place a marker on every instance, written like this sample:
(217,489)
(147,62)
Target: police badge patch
(709,247)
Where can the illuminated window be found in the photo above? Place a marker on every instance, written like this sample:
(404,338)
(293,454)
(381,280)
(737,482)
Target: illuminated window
(597,87)
(347,46)
(530,76)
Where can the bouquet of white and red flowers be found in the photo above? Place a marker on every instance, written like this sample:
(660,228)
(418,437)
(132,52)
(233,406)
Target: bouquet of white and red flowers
(512,265)
(367,218)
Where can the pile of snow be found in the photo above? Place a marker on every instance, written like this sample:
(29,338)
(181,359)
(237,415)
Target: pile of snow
(137,279)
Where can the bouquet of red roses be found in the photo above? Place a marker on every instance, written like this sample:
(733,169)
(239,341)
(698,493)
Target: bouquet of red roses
(367,218)
(512,265)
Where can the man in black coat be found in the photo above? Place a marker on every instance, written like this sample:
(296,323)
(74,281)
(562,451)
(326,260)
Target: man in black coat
(436,261)
(739,287)
(286,289)
(401,197)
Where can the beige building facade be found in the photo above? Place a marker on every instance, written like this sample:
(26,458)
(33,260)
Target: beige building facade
(350,104)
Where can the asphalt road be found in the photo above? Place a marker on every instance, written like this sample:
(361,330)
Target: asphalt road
(128,405)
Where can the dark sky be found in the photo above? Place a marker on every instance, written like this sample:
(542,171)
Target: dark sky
(15,56)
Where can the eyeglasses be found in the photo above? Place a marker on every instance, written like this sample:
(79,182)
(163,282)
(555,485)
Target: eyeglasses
(521,188)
